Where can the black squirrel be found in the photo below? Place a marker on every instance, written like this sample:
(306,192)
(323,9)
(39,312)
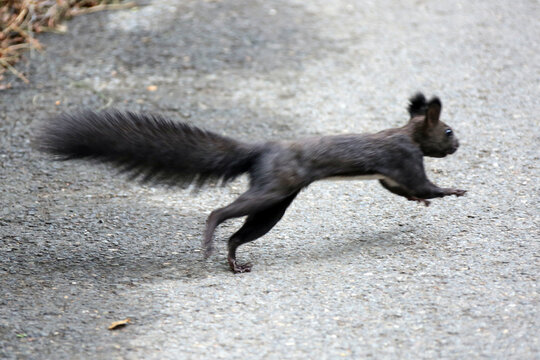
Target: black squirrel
(154,149)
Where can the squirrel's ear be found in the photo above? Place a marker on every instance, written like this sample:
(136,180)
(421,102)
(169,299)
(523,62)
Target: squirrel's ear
(433,112)
(417,105)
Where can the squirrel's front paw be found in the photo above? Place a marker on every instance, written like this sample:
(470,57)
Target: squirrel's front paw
(457,192)
(423,201)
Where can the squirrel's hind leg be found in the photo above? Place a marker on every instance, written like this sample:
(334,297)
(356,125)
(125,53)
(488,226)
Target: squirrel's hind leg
(256,225)
(249,203)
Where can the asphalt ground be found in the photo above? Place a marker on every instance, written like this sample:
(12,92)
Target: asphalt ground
(352,271)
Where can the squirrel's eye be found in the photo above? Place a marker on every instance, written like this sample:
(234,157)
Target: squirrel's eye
(448,132)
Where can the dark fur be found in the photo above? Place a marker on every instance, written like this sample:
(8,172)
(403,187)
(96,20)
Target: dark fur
(148,147)
(417,105)
(153,148)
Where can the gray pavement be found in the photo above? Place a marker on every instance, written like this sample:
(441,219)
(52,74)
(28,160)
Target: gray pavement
(352,271)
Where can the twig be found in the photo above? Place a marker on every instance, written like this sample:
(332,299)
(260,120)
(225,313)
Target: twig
(101,7)
(14,71)
(14,48)
(28,37)
(16,21)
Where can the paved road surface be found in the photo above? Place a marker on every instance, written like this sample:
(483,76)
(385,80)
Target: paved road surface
(352,271)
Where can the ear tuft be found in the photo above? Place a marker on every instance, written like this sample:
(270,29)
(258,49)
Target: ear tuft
(417,104)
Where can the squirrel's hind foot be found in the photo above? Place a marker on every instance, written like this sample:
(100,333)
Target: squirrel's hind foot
(238,268)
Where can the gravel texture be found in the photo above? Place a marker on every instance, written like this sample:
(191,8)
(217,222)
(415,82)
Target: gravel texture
(352,271)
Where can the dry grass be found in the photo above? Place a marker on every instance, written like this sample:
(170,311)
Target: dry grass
(21,20)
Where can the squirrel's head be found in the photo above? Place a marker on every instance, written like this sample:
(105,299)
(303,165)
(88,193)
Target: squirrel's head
(435,138)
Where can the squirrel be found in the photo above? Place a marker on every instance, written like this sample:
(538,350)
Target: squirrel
(154,149)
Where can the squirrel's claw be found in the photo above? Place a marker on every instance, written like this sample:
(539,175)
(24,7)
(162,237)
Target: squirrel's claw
(238,268)
(423,201)
(459,192)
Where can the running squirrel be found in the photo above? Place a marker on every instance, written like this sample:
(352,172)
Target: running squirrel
(154,149)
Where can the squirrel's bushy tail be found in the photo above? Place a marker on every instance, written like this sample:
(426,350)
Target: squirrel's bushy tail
(148,147)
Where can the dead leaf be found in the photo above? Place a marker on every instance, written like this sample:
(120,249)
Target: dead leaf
(119,324)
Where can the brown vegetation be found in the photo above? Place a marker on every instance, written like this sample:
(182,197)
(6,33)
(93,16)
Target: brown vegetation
(21,20)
